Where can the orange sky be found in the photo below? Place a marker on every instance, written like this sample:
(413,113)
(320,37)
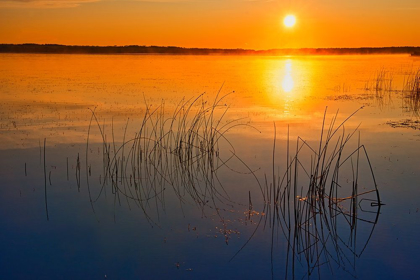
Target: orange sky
(252,24)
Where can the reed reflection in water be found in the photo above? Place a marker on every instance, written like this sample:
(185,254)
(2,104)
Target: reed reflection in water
(325,198)
(181,154)
(327,194)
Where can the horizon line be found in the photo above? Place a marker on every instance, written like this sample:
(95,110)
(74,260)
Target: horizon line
(174,50)
(205,48)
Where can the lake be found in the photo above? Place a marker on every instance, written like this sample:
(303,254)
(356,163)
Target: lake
(209,167)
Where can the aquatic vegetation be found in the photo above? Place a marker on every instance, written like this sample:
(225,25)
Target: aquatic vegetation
(182,152)
(406,123)
(383,87)
(327,193)
(382,82)
(411,91)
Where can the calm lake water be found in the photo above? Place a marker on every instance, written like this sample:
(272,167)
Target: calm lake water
(208,167)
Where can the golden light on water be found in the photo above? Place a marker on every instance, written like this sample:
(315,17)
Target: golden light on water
(289,21)
(287,83)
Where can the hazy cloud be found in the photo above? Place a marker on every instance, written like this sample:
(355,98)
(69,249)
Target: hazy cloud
(43,3)
(74,3)
(172,1)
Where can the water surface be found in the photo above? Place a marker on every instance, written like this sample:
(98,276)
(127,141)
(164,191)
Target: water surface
(211,215)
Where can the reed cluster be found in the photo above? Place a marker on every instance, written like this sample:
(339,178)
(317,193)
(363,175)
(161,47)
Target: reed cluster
(182,152)
(382,82)
(411,90)
(317,203)
(383,87)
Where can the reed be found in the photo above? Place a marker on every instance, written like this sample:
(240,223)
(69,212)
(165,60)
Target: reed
(312,201)
(383,87)
(45,182)
(180,152)
(411,91)
(381,83)
(316,203)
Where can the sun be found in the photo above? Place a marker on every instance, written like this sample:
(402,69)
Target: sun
(289,21)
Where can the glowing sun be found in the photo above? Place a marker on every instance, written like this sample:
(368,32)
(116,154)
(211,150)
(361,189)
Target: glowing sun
(289,21)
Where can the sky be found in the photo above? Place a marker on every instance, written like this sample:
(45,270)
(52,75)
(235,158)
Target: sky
(249,24)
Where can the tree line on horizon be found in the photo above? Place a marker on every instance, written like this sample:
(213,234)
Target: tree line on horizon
(135,49)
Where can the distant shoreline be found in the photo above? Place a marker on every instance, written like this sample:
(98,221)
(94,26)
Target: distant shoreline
(134,49)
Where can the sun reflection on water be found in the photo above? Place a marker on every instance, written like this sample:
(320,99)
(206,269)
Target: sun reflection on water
(287,84)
